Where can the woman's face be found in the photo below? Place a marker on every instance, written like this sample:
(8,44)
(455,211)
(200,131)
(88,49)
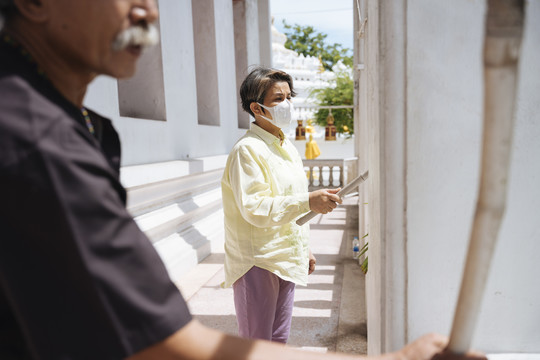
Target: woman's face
(278,92)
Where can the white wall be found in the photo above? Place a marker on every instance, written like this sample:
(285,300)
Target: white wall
(172,168)
(444,143)
(180,137)
(442,129)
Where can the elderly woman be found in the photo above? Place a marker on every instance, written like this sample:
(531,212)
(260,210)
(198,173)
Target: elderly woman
(264,191)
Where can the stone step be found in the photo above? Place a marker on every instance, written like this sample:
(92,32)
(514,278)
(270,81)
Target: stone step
(183,251)
(148,197)
(182,216)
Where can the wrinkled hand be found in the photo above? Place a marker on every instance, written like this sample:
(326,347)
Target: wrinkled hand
(312,262)
(324,201)
(432,346)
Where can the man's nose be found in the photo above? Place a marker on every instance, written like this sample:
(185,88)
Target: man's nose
(147,12)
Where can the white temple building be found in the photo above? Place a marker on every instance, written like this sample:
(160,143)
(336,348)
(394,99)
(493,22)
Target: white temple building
(308,74)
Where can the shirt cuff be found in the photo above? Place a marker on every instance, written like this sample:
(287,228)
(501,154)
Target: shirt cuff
(304,202)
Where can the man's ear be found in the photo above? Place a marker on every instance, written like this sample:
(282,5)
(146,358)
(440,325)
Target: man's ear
(33,10)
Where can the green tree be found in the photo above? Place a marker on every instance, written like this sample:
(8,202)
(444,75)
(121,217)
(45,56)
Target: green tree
(340,92)
(307,41)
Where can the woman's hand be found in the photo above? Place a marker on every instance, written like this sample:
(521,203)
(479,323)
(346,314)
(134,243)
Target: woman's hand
(312,262)
(324,201)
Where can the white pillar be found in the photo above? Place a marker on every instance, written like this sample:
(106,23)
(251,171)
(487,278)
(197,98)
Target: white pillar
(265,32)
(246,43)
(206,67)
(386,112)
(143,95)
(360,114)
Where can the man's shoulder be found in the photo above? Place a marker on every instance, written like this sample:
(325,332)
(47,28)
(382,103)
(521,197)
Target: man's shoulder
(21,104)
(14,87)
(27,118)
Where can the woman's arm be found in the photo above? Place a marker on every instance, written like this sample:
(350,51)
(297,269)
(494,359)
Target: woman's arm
(249,182)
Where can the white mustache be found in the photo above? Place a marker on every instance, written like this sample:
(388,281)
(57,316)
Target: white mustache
(138,35)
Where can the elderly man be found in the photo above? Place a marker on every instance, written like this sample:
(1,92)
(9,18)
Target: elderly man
(78,280)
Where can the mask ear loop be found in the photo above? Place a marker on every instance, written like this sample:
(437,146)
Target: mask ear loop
(264,112)
(263,108)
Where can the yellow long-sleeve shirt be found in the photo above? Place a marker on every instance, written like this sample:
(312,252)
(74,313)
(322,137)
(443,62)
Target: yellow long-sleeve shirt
(264,191)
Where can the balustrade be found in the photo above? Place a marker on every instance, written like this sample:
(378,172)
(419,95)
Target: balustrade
(329,173)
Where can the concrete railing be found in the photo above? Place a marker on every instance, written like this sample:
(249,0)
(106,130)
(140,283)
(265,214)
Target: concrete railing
(307,111)
(330,173)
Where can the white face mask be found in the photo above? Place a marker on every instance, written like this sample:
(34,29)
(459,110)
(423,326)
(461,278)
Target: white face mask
(281,113)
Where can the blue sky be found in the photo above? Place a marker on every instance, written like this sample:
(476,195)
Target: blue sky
(334,18)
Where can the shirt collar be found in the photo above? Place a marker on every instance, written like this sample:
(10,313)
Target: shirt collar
(14,59)
(266,136)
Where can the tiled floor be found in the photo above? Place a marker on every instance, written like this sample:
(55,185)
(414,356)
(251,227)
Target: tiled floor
(328,315)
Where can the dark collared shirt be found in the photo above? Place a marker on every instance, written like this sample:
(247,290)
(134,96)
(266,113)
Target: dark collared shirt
(78,279)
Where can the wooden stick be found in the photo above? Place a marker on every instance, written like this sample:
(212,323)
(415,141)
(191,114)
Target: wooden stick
(346,189)
(504,29)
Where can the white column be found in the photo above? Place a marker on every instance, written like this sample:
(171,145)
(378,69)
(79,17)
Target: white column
(221,139)
(206,69)
(143,95)
(360,115)
(265,33)
(386,108)
(246,43)
(252,32)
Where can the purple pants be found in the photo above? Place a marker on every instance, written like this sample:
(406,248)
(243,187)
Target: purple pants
(264,304)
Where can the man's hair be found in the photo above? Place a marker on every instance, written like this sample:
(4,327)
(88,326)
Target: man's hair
(6,8)
(256,85)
